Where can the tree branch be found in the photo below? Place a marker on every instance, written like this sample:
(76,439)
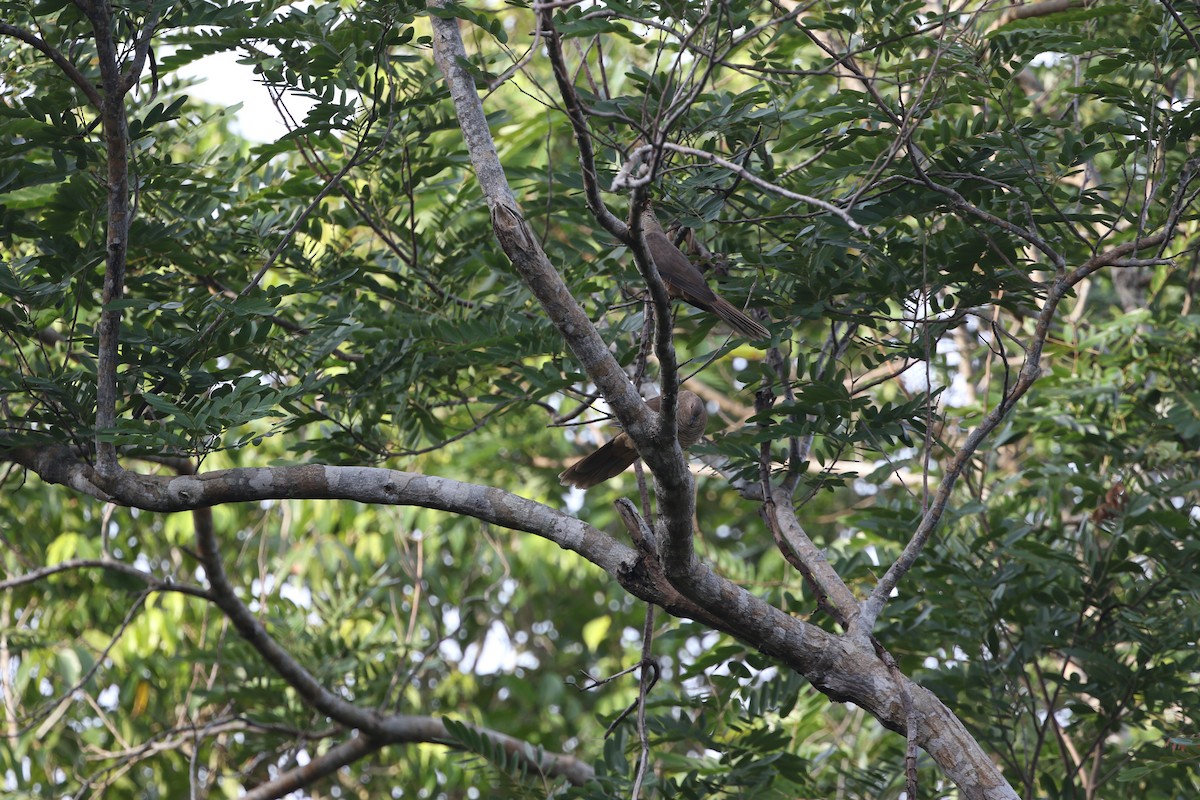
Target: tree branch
(379,729)
(116,141)
(813,563)
(156,584)
(61,61)
(520,243)
(583,137)
(843,668)
(414,730)
(371,485)
(522,248)
(1030,371)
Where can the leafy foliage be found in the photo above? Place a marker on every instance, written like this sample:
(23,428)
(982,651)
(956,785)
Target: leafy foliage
(337,296)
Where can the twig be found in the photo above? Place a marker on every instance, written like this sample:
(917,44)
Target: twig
(140,50)
(750,177)
(1191,37)
(152,583)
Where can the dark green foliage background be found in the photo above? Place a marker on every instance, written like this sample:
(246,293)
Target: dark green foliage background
(390,329)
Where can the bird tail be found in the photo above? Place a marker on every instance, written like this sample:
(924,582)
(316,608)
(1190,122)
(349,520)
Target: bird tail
(607,462)
(735,319)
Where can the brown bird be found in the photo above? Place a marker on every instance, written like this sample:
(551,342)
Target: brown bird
(685,281)
(612,459)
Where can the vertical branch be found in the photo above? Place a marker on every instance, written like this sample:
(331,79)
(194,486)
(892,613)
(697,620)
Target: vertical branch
(7,695)
(664,344)
(632,234)
(519,242)
(647,677)
(116,143)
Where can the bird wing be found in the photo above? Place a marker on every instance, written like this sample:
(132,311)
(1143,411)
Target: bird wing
(681,275)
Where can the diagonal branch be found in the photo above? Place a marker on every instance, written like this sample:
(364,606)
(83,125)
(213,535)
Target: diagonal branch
(543,280)
(1028,374)
(520,243)
(377,729)
(224,596)
(809,559)
(60,61)
(583,137)
(153,583)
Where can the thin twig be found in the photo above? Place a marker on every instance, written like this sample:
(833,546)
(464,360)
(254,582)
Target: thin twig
(762,183)
(112,565)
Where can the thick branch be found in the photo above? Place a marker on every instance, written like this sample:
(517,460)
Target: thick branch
(520,243)
(848,669)
(657,444)
(61,465)
(841,667)
(167,493)
(815,566)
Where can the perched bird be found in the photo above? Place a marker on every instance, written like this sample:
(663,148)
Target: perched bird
(612,459)
(685,281)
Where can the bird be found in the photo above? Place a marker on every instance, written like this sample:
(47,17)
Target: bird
(685,281)
(619,452)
